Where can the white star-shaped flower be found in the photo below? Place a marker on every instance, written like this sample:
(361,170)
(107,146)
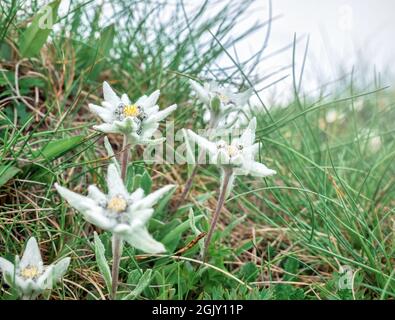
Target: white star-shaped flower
(121,213)
(138,120)
(29,275)
(219,101)
(239,155)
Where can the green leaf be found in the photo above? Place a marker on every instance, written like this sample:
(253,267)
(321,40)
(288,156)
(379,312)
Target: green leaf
(103,46)
(7,173)
(249,272)
(5,51)
(177,231)
(146,183)
(57,148)
(106,40)
(141,285)
(215,104)
(102,262)
(291,266)
(35,36)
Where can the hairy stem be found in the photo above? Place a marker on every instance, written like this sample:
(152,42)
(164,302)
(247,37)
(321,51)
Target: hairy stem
(221,199)
(116,259)
(116,240)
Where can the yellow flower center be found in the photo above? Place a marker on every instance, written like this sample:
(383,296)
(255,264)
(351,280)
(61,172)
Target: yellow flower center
(30,272)
(232,150)
(131,110)
(117,205)
(224,99)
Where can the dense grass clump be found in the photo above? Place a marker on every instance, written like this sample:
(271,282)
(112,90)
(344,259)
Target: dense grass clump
(288,237)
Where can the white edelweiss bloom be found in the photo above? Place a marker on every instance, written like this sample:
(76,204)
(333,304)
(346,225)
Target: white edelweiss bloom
(239,155)
(372,140)
(332,116)
(138,120)
(375,144)
(28,275)
(219,101)
(241,117)
(121,213)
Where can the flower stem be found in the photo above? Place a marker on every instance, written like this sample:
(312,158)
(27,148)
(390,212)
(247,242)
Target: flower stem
(116,240)
(188,184)
(221,199)
(116,257)
(125,158)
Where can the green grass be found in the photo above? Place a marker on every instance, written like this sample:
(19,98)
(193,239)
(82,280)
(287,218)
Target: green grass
(285,237)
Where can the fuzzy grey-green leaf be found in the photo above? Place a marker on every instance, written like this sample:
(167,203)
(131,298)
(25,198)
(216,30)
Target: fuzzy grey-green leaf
(102,262)
(35,36)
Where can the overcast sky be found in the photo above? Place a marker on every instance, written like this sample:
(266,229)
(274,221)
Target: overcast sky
(357,33)
(342,33)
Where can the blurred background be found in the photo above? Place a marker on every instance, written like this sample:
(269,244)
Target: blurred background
(334,38)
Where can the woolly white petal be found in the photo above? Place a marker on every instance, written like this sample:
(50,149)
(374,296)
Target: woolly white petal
(151,100)
(44,281)
(98,218)
(125,99)
(159,116)
(142,215)
(258,169)
(109,106)
(201,92)
(7,267)
(252,150)
(76,200)
(60,269)
(152,198)
(136,195)
(149,129)
(203,142)
(107,128)
(248,137)
(31,255)
(243,97)
(109,95)
(105,114)
(141,239)
(95,194)
(115,183)
(152,110)
(206,116)
(88,207)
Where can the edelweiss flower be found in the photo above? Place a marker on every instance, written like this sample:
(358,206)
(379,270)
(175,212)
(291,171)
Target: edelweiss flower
(239,155)
(29,276)
(219,101)
(138,120)
(241,117)
(121,213)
